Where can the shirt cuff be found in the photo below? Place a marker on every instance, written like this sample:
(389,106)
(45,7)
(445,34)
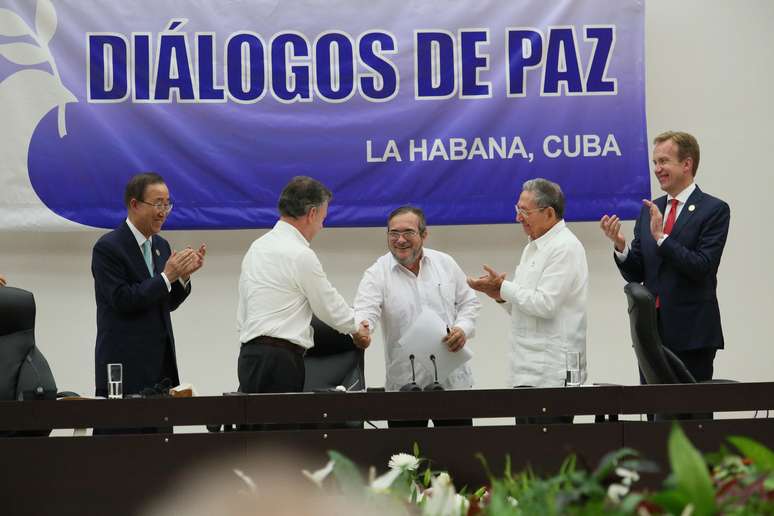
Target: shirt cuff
(621,255)
(166,282)
(508,290)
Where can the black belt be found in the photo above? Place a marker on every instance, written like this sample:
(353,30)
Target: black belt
(277,343)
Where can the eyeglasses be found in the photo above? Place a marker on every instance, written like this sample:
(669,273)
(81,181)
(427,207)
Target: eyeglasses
(526,213)
(166,208)
(394,234)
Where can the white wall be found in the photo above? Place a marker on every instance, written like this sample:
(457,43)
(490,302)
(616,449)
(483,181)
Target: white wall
(708,73)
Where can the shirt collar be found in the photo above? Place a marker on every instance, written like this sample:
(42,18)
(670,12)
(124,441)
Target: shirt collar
(137,234)
(290,231)
(422,261)
(549,235)
(683,196)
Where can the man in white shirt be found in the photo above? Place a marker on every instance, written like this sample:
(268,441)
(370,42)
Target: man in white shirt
(547,296)
(677,255)
(403,283)
(281,285)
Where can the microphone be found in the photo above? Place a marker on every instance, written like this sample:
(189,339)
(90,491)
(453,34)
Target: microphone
(435,386)
(412,386)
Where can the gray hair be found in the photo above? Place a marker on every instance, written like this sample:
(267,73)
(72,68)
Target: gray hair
(547,194)
(300,195)
(421,222)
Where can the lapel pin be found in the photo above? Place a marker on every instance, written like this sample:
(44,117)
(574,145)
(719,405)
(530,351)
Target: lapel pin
(159,254)
(690,208)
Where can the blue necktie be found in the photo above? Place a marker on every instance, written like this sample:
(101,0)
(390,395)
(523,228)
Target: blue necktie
(146,253)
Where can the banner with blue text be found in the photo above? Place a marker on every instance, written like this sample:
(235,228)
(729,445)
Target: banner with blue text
(450,106)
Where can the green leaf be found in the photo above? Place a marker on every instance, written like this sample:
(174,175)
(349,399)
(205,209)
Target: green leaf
(672,501)
(347,475)
(762,457)
(416,449)
(693,479)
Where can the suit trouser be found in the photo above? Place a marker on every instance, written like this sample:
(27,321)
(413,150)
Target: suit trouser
(699,362)
(266,364)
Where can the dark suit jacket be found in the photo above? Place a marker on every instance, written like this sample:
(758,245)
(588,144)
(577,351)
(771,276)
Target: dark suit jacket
(683,270)
(133,323)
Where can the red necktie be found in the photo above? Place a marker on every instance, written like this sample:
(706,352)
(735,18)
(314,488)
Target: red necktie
(670,222)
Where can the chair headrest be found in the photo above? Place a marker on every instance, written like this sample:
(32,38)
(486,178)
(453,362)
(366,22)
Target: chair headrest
(328,341)
(17,310)
(643,321)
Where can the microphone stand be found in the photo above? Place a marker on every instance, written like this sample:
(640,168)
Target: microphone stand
(412,386)
(435,386)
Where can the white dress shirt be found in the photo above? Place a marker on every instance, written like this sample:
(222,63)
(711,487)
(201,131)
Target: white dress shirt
(281,285)
(394,295)
(682,198)
(547,303)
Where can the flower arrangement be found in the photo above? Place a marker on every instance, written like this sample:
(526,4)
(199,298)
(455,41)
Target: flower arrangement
(723,483)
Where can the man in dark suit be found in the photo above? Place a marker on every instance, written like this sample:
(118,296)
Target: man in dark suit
(676,251)
(138,281)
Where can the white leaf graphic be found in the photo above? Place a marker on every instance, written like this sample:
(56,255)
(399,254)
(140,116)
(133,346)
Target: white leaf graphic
(23,53)
(12,25)
(45,20)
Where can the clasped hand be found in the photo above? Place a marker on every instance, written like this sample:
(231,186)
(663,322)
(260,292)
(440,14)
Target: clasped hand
(362,337)
(181,264)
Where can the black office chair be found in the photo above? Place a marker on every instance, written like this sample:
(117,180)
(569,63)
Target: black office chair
(24,371)
(333,361)
(658,364)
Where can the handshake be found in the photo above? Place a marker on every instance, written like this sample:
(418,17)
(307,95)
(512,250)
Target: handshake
(362,337)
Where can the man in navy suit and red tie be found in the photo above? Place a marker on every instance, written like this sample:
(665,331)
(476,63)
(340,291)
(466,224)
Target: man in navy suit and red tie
(138,281)
(676,251)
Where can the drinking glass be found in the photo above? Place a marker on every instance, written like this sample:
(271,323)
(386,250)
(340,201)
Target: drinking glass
(573,378)
(115,374)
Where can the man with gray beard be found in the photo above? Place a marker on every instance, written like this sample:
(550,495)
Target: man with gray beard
(404,282)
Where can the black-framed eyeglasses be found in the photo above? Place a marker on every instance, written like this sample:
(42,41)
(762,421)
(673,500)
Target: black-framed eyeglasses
(394,234)
(525,213)
(160,206)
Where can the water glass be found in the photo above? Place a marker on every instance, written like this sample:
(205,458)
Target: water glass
(115,376)
(573,378)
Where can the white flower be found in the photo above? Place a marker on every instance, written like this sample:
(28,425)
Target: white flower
(383,482)
(318,476)
(617,491)
(442,500)
(627,476)
(403,461)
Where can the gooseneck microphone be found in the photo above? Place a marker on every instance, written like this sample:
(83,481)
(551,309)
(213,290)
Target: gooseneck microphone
(412,386)
(435,386)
